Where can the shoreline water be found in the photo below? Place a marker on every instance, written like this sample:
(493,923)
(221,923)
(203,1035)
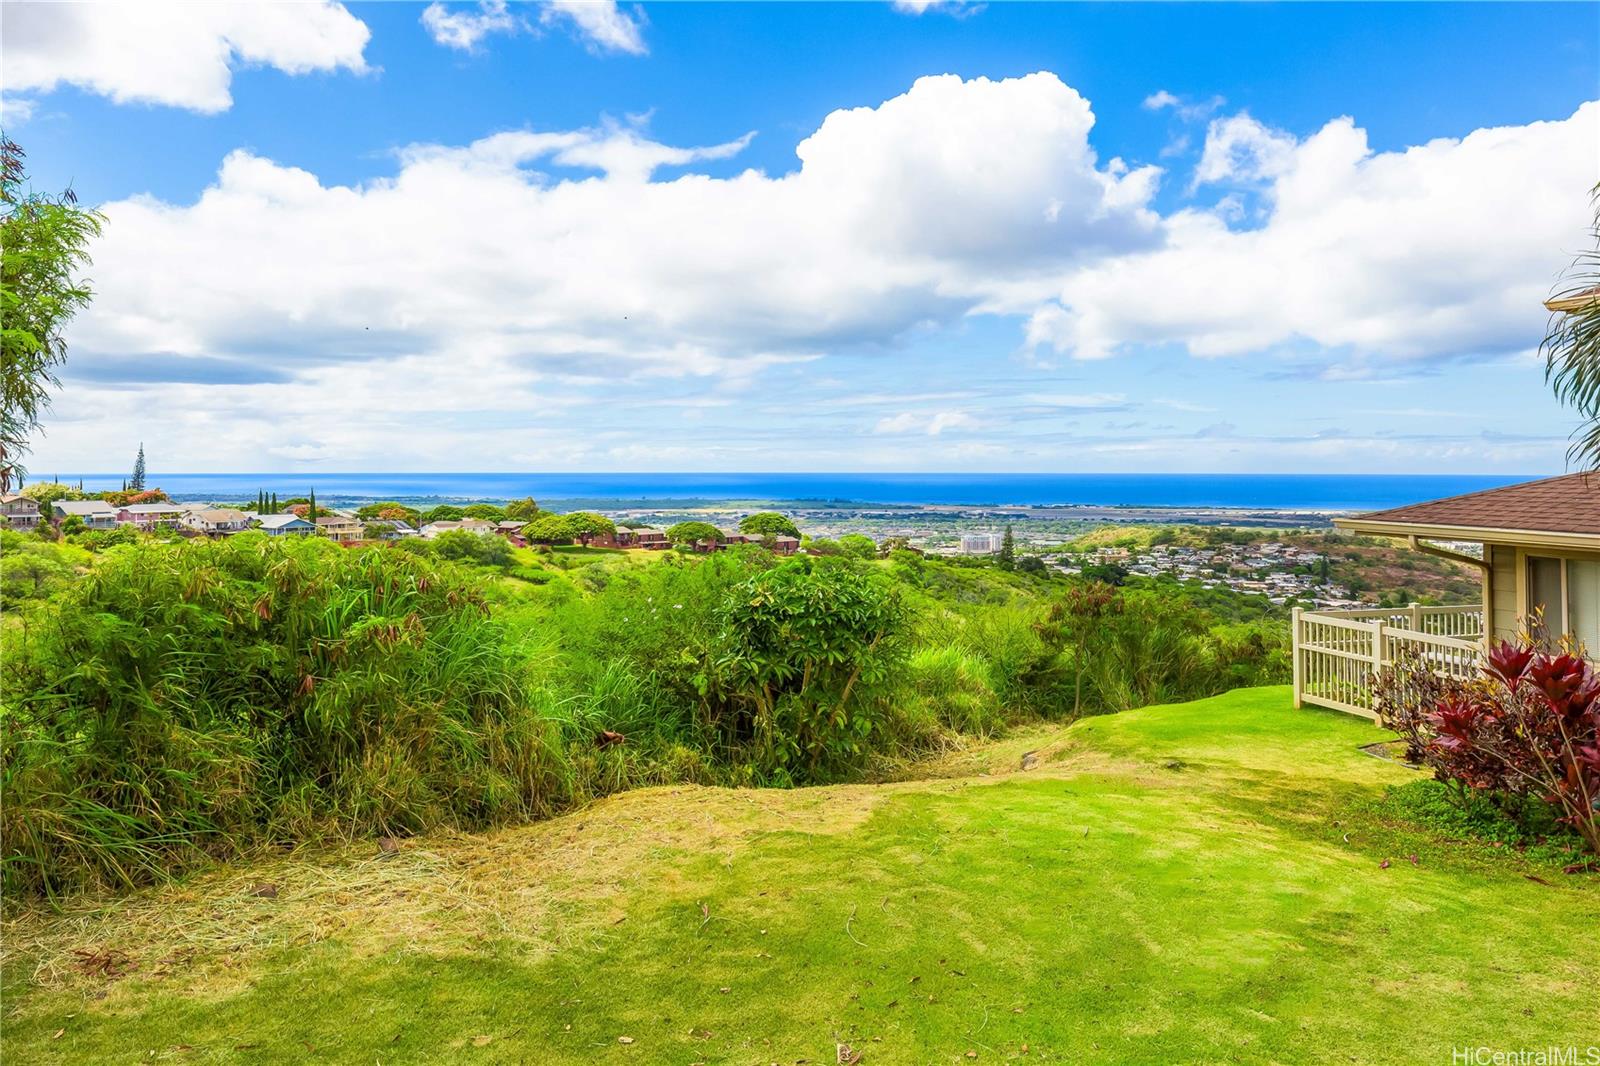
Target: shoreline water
(1287,493)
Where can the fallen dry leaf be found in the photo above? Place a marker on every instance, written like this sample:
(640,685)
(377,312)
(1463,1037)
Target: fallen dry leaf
(481,1041)
(624,1039)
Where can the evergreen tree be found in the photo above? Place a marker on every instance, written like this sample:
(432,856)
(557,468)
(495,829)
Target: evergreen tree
(136,483)
(1008,550)
(311,508)
(274,503)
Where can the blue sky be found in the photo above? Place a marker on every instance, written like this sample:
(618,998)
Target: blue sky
(1110,237)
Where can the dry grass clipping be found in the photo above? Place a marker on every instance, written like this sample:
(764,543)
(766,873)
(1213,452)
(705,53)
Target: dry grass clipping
(533,889)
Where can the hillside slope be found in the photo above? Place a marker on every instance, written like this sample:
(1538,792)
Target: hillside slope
(1197,882)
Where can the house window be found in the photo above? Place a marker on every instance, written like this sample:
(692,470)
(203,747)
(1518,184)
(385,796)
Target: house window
(1567,593)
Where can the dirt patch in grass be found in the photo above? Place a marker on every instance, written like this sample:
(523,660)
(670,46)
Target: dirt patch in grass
(529,889)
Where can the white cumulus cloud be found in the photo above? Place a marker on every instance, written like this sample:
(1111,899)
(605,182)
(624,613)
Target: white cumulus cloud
(1443,249)
(954,195)
(169,53)
(415,315)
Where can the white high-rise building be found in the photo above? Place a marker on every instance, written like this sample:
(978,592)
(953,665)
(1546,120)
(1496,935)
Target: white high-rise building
(981,543)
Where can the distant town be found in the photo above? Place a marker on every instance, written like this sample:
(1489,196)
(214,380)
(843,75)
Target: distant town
(1280,572)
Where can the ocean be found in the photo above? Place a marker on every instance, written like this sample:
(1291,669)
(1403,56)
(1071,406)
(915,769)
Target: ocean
(1297,492)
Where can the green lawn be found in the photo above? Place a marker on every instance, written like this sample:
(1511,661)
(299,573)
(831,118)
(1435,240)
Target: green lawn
(1196,883)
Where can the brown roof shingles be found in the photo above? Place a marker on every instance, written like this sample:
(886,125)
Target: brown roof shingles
(1568,504)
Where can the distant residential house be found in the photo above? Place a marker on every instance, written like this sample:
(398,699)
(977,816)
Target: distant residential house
(390,529)
(777,545)
(150,515)
(284,525)
(19,511)
(650,539)
(96,514)
(471,525)
(216,521)
(512,531)
(339,527)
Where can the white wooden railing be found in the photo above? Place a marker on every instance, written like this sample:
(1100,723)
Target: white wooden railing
(1336,653)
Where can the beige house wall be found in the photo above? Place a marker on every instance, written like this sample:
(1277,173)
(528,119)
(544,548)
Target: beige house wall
(1506,596)
(1505,591)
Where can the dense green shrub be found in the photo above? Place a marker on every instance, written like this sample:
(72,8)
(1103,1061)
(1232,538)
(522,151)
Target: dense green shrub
(481,549)
(96,540)
(32,569)
(801,664)
(197,699)
(194,699)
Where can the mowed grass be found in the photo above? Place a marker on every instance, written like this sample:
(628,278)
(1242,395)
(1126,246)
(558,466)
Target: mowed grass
(1191,883)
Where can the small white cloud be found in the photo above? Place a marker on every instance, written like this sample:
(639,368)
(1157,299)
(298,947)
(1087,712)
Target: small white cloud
(905,422)
(1087,401)
(1239,148)
(949,420)
(1175,147)
(1186,109)
(1186,406)
(601,24)
(301,453)
(15,110)
(464,28)
(960,9)
(921,422)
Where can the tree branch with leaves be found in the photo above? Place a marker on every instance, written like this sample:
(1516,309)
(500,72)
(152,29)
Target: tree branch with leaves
(1571,347)
(44,245)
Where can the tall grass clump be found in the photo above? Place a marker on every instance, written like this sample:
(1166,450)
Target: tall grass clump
(188,701)
(953,687)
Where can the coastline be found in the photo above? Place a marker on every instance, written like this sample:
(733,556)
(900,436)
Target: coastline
(1060,497)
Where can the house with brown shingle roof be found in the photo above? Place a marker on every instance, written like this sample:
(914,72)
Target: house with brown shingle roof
(1538,557)
(1541,549)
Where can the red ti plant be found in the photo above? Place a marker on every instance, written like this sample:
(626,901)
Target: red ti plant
(1531,727)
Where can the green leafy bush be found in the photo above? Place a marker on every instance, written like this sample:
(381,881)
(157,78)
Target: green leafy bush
(33,569)
(177,702)
(801,662)
(480,549)
(196,699)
